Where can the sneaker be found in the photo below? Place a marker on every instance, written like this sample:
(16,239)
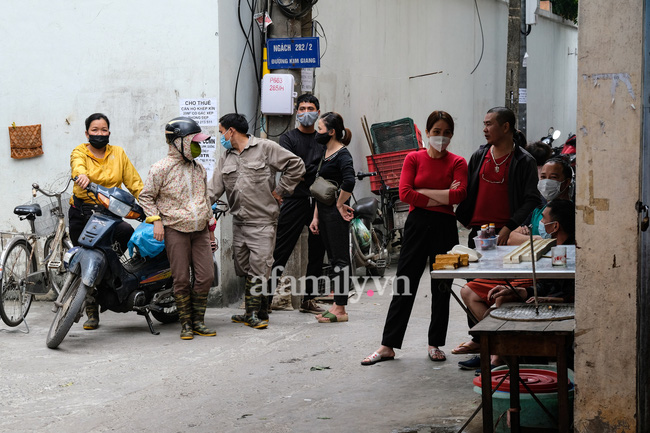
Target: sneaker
(310,306)
(471,364)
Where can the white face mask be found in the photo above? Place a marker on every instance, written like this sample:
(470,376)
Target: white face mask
(549,188)
(439,142)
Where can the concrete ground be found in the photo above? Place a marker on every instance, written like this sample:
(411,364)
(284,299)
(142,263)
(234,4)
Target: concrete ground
(120,378)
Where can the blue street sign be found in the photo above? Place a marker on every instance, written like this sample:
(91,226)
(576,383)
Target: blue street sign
(293,53)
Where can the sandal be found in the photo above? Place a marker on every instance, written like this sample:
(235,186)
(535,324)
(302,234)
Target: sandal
(375,358)
(328,317)
(463,348)
(437,355)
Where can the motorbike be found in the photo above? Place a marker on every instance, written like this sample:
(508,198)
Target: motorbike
(567,150)
(96,272)
(368,243)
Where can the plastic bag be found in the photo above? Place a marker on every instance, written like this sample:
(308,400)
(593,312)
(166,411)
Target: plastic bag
(362,233)
(143,238)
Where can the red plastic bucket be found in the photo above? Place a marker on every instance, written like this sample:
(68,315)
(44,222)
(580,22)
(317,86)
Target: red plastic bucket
(538,381)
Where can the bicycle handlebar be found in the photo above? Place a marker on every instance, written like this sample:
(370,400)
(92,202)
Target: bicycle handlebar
(36,187)
(361,175)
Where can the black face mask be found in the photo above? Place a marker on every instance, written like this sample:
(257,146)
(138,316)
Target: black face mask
(98,141)
(322,138)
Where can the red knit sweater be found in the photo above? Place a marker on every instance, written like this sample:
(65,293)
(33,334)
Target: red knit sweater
(422,171)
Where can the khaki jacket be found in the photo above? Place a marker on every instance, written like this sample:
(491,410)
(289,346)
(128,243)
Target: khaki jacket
(248,179)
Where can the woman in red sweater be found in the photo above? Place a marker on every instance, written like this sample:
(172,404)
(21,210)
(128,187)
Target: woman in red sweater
(431,183)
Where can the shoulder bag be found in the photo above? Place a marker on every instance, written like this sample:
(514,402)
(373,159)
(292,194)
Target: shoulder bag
(322,189)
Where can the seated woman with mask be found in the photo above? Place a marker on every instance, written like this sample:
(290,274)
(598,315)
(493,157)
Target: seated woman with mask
(555,181)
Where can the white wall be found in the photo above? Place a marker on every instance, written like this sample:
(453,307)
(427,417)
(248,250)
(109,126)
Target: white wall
(374,46)
(552,77)
(131,60)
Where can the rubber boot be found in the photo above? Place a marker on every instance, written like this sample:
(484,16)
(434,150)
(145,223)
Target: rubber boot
(199,302)
(263,314)
(184,307)
(93,317)
(252,304)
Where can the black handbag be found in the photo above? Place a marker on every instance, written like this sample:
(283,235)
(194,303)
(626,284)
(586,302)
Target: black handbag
(322,189)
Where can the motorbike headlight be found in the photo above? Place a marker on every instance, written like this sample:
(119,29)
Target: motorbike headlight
(68,256)
(119,207)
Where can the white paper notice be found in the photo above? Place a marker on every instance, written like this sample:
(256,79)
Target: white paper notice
(208,158)
(307,79)
(202,110)
(523,96)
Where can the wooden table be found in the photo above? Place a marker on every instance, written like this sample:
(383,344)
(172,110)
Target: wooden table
(512,339)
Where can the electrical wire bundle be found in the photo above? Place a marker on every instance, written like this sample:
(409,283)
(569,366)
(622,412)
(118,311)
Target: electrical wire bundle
(295,8)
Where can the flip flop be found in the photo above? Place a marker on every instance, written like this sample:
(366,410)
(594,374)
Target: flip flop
(328,317)
(375,358)
(439,355)
(464,348)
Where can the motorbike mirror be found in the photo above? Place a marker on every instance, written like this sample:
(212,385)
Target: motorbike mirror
(556,134)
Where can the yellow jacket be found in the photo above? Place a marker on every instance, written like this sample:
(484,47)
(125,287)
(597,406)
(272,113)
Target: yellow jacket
(114,169)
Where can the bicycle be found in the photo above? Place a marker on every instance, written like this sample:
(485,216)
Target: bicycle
(22,275)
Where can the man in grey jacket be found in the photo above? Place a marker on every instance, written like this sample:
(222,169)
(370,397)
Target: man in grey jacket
(246,172)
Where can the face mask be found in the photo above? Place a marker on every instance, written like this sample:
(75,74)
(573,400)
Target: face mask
(225,143)
(541,228)
(195,148)
(307,118)
(322,138)
(98,141)
(439,142)
(549,188)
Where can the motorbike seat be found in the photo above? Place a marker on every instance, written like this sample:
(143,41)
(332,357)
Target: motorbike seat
(28,209)
(366,207)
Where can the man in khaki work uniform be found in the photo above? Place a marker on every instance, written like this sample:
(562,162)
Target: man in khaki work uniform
(246,173)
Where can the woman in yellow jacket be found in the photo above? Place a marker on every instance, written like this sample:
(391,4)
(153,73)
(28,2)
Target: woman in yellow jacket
(107,165)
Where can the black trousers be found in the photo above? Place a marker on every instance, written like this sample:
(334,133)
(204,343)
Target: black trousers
(426,233)
(295,214)
(78,218)
(335,232)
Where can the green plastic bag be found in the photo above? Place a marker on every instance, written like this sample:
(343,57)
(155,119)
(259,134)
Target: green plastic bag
(362,233)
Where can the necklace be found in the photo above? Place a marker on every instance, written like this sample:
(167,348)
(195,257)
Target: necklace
(498,164)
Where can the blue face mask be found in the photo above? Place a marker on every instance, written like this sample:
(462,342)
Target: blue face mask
(225,143)
(541,228)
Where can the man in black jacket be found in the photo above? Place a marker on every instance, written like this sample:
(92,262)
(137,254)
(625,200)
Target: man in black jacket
(298,209)
(502,180)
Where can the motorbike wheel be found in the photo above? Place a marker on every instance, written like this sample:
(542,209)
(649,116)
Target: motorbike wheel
(165,318)
(383,262)
(14,301)
(69,312)
(56,277)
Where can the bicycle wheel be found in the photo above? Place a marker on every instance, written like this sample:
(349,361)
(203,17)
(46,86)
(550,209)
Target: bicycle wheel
(14,302)
(69,312)
(56,275)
